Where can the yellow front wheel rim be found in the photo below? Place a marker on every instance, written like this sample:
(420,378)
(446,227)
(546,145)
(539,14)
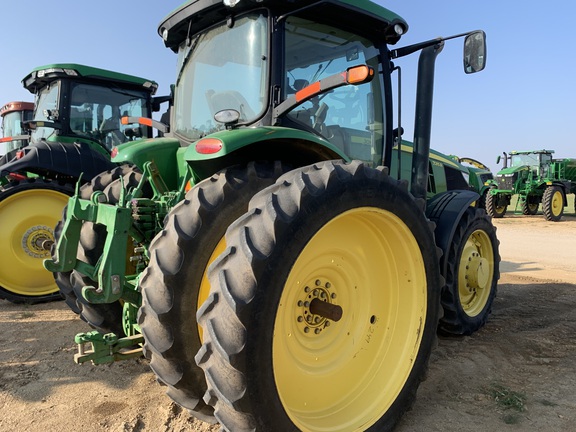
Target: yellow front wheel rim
(475,273)
(344,375)
(557,203)
(27,221)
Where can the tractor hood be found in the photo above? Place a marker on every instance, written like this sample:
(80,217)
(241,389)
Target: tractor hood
(511,170)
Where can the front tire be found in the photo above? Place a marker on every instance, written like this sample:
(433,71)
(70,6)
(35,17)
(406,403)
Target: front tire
(175,284)
(553,203)
(472,274)
(338,235)
(29,211)
(530,206)
(494,208)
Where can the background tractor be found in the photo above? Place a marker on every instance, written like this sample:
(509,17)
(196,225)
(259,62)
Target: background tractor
(75,124)
(479,176)
(270,212)
(13,115)
(537,179)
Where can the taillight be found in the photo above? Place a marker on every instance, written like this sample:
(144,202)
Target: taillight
(209,146)
(114,153)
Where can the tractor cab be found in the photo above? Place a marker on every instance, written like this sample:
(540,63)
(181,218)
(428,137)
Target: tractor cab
(14,135)
(274,64)
(76,103)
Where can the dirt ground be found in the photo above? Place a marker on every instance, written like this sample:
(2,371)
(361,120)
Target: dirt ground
(516,374)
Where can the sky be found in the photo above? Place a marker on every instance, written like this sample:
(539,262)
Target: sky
(523,100)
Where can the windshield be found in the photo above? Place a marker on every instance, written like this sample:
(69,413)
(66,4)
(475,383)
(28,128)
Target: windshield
(96,111)
(11,127)
(532,159)
(348,117)
(222,68)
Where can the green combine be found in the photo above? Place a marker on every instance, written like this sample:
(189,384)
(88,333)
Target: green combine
(264,251)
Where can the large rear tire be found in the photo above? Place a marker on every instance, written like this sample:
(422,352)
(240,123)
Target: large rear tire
(29,211)
(472,274)
(105,318)
(553,203)
(334,235)
(175,284)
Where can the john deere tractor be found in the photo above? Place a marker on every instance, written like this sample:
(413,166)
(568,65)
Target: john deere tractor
(275,248)
(537,179)
(14,114)
(479,177)
(75,124)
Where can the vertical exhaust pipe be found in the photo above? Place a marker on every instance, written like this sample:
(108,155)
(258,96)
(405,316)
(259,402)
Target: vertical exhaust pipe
(423,119)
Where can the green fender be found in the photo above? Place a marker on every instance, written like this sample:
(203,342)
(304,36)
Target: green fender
(446,210)
(277,141)
(164,152)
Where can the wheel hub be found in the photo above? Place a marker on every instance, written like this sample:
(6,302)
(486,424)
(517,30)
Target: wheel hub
(315,307)
(37,240)
(477,272)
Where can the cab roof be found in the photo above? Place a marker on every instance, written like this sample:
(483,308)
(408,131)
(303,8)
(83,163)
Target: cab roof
(16,106)
(42,75)
(363,16)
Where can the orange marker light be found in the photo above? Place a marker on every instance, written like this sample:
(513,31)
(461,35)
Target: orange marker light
(359,74)
(209,146)
(141,120)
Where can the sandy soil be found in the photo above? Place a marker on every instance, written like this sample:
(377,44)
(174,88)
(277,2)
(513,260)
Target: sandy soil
(516,374)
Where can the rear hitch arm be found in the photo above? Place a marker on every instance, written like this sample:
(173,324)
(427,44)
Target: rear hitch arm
(107,348)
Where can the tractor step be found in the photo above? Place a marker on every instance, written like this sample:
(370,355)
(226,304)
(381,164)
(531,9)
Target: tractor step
(107,348)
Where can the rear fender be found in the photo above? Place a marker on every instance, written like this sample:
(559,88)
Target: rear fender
(446,210)
(230,141)
(239,146)
(164,152)
(50,159)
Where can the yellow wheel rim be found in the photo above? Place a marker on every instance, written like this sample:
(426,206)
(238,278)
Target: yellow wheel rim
(475,273)
(204,290)
(27,220)
(345,375)
(557,203)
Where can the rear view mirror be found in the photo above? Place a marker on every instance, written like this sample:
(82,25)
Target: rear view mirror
(475,52)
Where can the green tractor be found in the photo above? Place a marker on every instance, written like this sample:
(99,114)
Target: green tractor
(537,179)
(74,126)
(265,248)
(14,114)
